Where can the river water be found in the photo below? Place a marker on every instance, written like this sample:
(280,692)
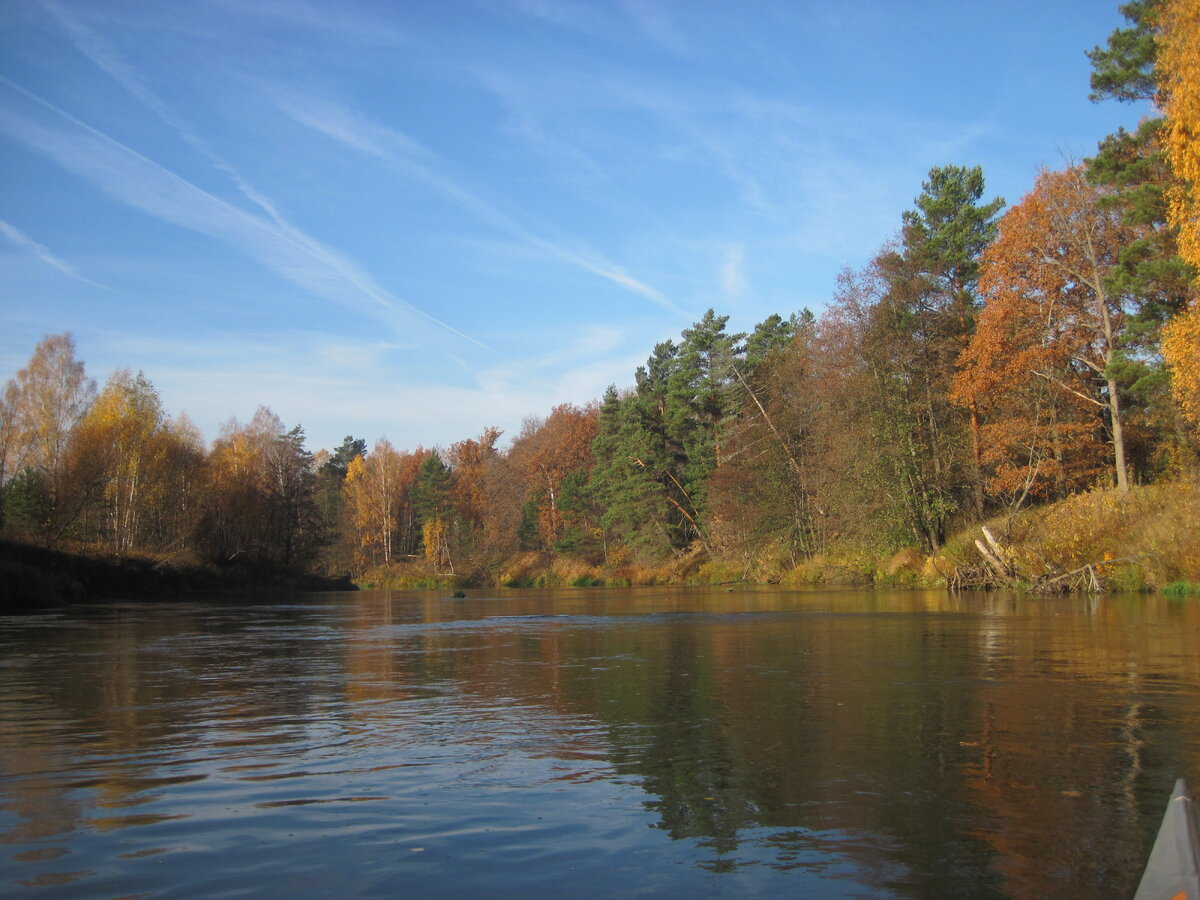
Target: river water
(592,743)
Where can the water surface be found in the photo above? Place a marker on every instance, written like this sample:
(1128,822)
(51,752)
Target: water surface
(669,742)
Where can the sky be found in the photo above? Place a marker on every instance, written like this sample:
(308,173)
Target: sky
(414,219)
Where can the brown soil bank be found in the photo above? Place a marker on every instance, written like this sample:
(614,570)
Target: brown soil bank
(33,577)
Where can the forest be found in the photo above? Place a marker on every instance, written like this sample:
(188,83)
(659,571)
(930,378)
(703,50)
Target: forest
(1035,365)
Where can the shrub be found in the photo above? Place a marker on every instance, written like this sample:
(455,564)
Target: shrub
(1180,590)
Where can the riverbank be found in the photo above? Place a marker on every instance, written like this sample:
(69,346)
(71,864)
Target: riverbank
(1147,541)
(33,577)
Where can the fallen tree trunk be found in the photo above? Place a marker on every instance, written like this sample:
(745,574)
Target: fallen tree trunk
(998,569)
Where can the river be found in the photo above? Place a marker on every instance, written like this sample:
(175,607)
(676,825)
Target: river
(591,743)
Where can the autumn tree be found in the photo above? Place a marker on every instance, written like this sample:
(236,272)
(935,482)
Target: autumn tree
(472,461)
(1051,310)
(133,471)
(8,437)
(504,490)
(1137,171)
(180,485)
(331,466)
(1181,349)
(375,490)
(1179,92)
(42,405)
(854,459)
(1039,441)
(292,479)
(260,497)
(546,452)
(382,495)
(1179,95)
(913,447)
(433,509)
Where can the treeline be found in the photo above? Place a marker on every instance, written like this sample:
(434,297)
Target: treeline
(112,470)
(984,360)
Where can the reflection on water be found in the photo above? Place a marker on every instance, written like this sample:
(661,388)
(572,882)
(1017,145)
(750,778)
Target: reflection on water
(592,742)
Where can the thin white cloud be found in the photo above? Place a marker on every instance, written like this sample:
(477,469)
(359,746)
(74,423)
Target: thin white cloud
(332,388)
(136,181)
(108,60)
(583,384)
(350,355)
(105,57)
(588,341)
(649,19)
(525,123)
(353,130)
(577,372)
(652,21)
(574,16)
(346,126)
(19,238)
(733,278)
(339,20)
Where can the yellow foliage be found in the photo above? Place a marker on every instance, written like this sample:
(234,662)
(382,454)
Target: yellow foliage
(1154,525)
(1181,350)
(1178,71)
(433,533)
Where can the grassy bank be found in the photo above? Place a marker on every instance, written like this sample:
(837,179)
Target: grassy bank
(536,570)
(1146,541)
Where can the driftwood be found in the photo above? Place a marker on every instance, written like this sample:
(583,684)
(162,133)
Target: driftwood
(1083,580)
(997,569)
(996,557)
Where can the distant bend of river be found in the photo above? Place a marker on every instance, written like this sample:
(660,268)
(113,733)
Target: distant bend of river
(590,743)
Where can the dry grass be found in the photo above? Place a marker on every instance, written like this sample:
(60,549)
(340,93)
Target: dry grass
(842,566)
(1148,540)
(1145,541)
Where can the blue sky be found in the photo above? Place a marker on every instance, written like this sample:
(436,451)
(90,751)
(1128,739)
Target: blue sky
(415,219)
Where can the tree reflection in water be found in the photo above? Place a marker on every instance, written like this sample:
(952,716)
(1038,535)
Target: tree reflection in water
(873,745)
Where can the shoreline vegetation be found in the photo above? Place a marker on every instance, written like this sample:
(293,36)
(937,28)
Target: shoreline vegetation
(1095,542)
(999,398)
(34,577)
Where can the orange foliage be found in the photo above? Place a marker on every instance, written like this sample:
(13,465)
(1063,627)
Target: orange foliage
(1037,365)
(547,451)
(471,462)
